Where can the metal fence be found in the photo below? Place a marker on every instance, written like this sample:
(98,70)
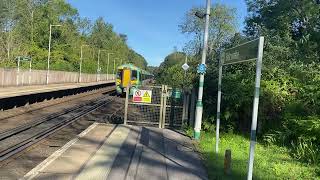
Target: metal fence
(165,109)
(15,77)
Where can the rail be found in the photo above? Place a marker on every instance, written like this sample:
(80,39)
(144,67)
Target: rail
(15,140)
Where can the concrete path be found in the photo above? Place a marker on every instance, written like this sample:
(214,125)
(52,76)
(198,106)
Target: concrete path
(123,152)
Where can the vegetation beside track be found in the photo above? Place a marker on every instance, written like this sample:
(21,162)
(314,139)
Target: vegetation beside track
(24,31)
(271,161)
(289,113)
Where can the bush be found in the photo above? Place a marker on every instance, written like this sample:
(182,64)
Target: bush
(301,134)
(305,151)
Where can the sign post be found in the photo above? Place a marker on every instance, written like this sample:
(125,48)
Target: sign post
(249,51)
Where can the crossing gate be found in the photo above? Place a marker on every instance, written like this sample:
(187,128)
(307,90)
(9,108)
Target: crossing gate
(163,108)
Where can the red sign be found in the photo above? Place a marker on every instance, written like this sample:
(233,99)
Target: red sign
(137,99)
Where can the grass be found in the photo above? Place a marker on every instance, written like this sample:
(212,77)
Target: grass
(271,162)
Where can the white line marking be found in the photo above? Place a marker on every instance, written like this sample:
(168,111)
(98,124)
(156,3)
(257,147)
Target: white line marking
(35,171)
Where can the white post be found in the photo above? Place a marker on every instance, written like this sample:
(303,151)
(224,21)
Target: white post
(80,68)
(114,68)
(108,67)
(30,72)
(218,104)
(126,105)
(18,72)
(49,52)
(98,70)
(199,107)
(48,61)
(255,109)
(161,106)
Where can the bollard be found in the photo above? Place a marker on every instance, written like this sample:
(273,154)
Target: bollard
(227,162)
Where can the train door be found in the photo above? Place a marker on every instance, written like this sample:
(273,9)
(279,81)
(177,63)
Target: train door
(126,77)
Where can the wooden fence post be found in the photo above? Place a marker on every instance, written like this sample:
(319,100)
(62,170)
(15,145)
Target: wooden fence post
(227,162)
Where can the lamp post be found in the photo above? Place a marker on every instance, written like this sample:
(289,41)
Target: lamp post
(114,67)
(199,106)
(49,51)
(98,68)
(108,66)
(81,59)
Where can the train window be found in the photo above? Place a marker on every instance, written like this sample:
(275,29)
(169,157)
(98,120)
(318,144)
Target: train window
(134,75)
(140,76)
(119,74)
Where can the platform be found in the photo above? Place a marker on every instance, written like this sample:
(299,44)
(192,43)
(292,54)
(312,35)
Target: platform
(7,92)
(123,152)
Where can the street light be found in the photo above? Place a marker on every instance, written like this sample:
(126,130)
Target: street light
(108,66)
(80,69)
(49,51)
(114,66)
(199,107)
(98,68)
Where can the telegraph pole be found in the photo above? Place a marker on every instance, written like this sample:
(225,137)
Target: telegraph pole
(81,59)
(49,52)
(98,67)
(199,107)
(108,66)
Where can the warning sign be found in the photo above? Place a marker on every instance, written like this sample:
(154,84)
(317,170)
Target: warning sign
(142,96)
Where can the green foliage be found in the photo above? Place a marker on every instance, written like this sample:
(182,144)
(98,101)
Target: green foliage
(171,73)
(290,86)
(271,162)
(306,151)
(221,28)
(137,59)
(24,31)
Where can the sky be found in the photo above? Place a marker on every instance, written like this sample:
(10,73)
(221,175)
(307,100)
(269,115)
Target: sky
(151,25)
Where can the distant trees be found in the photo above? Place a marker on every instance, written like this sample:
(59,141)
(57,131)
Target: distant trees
(24,31)
(221,30)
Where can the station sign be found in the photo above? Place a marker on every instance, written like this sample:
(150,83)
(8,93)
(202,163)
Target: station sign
(243,52)
(142,96)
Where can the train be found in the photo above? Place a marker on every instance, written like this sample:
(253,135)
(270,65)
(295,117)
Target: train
(129,74)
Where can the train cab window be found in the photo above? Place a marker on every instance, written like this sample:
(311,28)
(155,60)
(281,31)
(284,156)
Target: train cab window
(134,75)
(119,74)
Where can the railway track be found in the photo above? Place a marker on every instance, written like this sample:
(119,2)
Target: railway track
(19,138)
(40,106)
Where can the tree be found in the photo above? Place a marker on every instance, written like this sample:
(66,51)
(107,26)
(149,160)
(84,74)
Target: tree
(222,28)
(137,59)
(24,31)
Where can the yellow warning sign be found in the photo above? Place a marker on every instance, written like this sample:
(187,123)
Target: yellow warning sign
(146,94)
(142,96)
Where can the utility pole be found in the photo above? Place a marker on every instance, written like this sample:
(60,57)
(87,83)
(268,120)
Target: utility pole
(199,106)
(114,67)
(108,66)
(80,69)
(49,52)
(98,68)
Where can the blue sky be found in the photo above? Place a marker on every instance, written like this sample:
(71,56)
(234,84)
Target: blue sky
(151,25)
